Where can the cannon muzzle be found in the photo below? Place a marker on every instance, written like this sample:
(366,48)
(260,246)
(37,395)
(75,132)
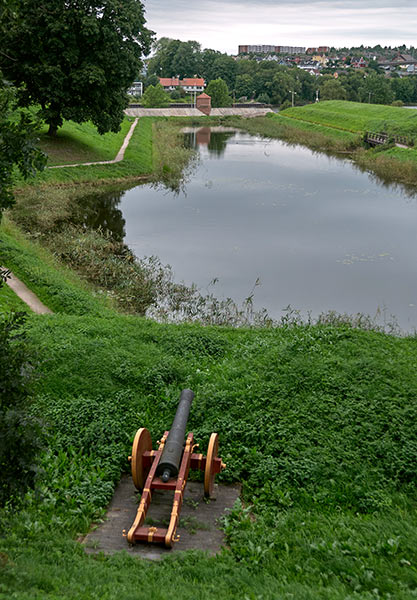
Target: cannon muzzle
(174,446)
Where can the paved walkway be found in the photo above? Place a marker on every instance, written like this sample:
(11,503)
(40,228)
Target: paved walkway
(119,157)
(25,294)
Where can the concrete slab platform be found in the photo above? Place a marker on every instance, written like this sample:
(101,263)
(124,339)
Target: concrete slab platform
(198,528)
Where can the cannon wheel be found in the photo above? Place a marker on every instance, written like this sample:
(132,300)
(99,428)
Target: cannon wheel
(209,473)
(141,444)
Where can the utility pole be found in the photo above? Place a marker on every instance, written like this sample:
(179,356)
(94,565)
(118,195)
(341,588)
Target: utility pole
(370,94)
(292,96)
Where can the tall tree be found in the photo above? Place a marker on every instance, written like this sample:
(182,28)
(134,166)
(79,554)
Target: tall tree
(376,90)
(186,62)
(208,57)
(332,89)
(75,58)
(224,67)
(244,86)
(219,93)
(18,138)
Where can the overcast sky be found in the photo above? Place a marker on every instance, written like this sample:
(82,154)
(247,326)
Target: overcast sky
(225,25)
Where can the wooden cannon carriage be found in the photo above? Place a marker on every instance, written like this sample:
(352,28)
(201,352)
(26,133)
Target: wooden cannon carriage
(167,468)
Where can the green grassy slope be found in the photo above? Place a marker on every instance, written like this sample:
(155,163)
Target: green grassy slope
(9,301)
(56,286)
(357,117)
(317,422)
(137,161)
(80,142)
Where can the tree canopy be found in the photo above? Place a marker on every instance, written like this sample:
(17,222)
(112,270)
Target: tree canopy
(219,93)
(18,138)
(76,59)
(332,89)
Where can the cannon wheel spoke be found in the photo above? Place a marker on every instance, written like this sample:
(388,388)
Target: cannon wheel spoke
(209,473)
(141,444)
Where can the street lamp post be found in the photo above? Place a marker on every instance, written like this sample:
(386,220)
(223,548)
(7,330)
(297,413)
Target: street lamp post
(292,96)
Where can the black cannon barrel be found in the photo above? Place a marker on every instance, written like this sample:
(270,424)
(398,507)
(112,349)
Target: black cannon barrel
(174,446)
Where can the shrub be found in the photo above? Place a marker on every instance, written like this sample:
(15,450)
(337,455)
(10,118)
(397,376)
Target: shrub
(155,97)
(20,433)
(264,98)
(285,104)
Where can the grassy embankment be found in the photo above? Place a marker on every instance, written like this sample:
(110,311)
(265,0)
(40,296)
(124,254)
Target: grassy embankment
(317,422)
(81,143)
(55,207)
(340,126)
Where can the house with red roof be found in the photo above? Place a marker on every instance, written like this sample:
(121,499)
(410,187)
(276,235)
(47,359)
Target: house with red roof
(359,64)
(189,84)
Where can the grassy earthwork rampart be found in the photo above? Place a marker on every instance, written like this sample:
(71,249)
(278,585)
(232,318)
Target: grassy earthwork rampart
(316,421)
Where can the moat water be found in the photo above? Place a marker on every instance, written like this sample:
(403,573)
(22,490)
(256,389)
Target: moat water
(316,232)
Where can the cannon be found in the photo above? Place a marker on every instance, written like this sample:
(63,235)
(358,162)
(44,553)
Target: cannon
(167,468)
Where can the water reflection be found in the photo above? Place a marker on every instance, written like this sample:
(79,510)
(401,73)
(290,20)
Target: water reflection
(319,233)
(100,211)
(215,139)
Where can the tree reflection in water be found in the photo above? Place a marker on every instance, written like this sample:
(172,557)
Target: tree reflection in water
(100,212)
(215,141)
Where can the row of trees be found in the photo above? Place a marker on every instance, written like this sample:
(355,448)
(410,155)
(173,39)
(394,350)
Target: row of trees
(374,88)
(174,58)
(268,81)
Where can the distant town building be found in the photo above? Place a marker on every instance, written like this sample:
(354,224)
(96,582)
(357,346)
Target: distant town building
(189,84)
(263,49)
(291,49)
(136,89)
(359,64)
(321,59)
(319,50)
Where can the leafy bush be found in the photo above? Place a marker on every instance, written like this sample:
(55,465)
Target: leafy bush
(20,434)
(155,97)
(264,98)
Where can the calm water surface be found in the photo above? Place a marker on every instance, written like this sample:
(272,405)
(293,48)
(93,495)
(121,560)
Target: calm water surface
(318,233)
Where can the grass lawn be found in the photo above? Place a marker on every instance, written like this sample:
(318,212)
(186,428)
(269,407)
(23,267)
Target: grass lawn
(317,422)
(313,135)
(85,141)
(80,142)
(10,302)
(357,117)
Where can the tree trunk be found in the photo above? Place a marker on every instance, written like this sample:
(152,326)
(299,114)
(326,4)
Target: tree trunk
(53,128)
